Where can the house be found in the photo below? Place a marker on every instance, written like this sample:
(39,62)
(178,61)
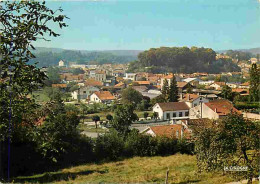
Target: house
(120,85)
(232,84)
(182,86)
(142,83)
(172,110)
(63,86)
(192,81)
(93,82)
(61,63)
(241,91)
(192,100)
(245,85)
(212,110)
(217,85)
(102,97)
(176,131)
(169,79)
(100,76)
(130,76)
(83,92)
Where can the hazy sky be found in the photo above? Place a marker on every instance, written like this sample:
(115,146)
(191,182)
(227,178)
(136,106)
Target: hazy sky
(139,25)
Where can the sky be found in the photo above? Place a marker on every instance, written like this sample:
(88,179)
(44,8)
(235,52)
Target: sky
(144,24)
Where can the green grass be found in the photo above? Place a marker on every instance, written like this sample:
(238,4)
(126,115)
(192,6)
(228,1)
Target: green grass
(88,128)
(103,115)
(182,169)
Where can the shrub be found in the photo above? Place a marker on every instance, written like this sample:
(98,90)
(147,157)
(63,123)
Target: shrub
(109,146)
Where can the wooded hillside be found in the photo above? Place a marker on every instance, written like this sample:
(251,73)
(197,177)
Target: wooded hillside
(181,59)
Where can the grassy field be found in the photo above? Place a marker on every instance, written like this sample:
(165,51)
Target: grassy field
(182,169)
(103,115)
(88,128)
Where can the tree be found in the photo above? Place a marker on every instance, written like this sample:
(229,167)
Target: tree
(21,23)
(155,115)
(96,118)
(165,89)
(123,118)
(226,92)
(233,141)
(173,91)
(53,76)
(131,96)
(254,83)
(109,117)
(158,99)
(146,115)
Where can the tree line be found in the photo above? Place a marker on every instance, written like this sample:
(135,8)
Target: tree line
(46,59)
(181,59)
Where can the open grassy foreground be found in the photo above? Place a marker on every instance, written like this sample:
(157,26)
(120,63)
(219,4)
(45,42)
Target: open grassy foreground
(182,169)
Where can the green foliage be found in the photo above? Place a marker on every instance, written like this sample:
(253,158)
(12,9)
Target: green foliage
(96,118)
(173,91)
(234,141)
(226,92)
(131,96)
(240,55)
(53,76)
(123,118)
(144,105)
(46,59)
(146,115)
(109,146)
(181,59)
(158,99)
(254,83)
(109,117)
(155,115)
(165,89)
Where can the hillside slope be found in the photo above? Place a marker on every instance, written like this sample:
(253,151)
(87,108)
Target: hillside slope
(182,169)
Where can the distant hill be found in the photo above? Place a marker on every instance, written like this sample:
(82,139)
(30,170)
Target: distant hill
(46,57)
(253,51)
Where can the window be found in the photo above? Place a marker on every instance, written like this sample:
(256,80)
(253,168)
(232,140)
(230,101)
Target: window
(195,105)
(167,115)
(187,113)
(84,92)
(174,114)
(180,114)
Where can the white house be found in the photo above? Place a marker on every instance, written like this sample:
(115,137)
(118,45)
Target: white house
(212,110)
(83,92)
(102,97)
(61,63)
(172,110)
(192,100)
(217,85)
(130,76)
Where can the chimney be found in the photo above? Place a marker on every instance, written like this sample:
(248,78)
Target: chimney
(216,110)
(188,96)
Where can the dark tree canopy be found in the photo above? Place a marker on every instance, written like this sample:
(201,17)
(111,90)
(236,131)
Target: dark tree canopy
(255,83)
(181,59)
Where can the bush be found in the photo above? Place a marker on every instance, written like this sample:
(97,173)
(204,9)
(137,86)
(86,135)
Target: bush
(109,146)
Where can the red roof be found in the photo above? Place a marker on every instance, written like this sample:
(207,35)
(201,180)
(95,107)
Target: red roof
(170,131)
(93,82)
(222,107)
(190,97)
(181,84)
(173,106)
(143,82)
(104,95)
